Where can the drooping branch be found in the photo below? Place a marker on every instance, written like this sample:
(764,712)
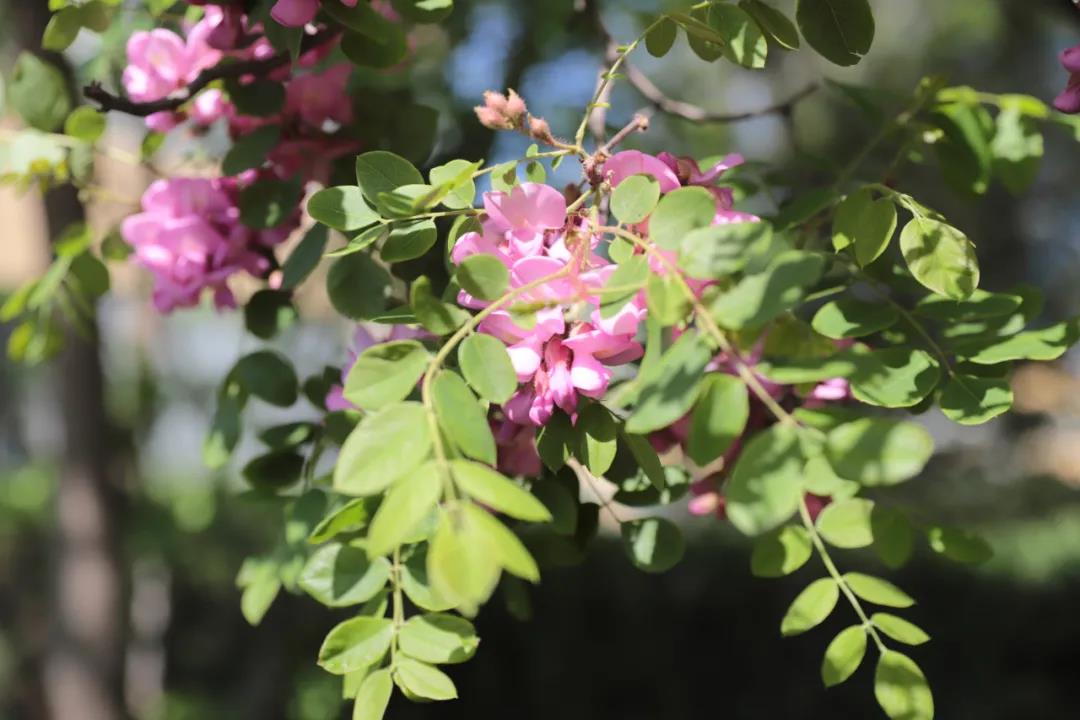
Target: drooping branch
(226,69)
(695,113)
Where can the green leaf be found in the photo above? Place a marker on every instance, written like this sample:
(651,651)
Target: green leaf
(940,257)
(844,655)
(849,317)
(979,306)
(647,459)
(386,373)
(757,299)
(424,11)
(744,43)
(462,418)
(780,552)
(383,448)
(971,400)
(463,563)
(351,517)
(509,551)
(895,377)
(963,149)
(597,440)
(777,27)
(415,583)
(259,579)
(901,689)
(250,151)
(304,259)
(483,276)
(269,203)
(670,387)
(456,179)
(659,40)
(878,451)
(437,317)
(555,441)
(373,697)
(717,251)
(357,286)
(706,43)
(894,538)
(765,487)
(841,31)
(654,545)
(959,545)
(719,418)
(811,607)
(368,49)
(355,644)
(438,638)
(380,171)
(342,208)
(1017,149)
(678,213)
(636,197)
(407,504)
(274,471)
(38,92)
(340,575)
(487,367)
(1048,343)
(85,123)
(62,29)
(877,591)
(268,313)
(424,681)
(865,225)
(408,241)
(497,492)
(846,523)
(268,376)
(899,629)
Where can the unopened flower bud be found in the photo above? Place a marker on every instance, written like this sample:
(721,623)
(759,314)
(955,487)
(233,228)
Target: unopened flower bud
(515,108)
(540,130)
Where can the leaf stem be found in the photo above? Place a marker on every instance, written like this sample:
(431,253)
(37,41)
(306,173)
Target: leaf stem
(830,566)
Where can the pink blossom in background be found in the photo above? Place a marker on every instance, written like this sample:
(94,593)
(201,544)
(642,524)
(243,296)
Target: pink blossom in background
(189,236)
(297,13)
(1068,100)
(320,98)
(516,446)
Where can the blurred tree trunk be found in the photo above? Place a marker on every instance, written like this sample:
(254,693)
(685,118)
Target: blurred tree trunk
(83,667)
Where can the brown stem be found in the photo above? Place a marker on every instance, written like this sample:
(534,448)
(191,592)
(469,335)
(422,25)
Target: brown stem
(223,70)
(695,113)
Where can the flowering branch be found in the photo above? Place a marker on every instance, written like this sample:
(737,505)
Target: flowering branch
(226,69)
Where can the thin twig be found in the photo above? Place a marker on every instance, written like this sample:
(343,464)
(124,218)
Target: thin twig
(223,70)
(640,123)
(695,113)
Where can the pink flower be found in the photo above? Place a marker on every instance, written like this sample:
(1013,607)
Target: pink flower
(297,13)
(189,236)
(516,445)
(1068,100)
(623,164)
(319,99)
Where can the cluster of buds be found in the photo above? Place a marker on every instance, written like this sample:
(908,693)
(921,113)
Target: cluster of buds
(508,112)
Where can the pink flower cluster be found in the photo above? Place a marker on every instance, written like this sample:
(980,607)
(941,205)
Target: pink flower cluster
(556,360)
(160,63)
(1068,101)
(189,236)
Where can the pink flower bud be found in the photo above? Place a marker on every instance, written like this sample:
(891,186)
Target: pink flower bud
(540,130)
(515,108)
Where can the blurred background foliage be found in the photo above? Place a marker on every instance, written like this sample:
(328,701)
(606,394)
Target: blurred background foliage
(604,641)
